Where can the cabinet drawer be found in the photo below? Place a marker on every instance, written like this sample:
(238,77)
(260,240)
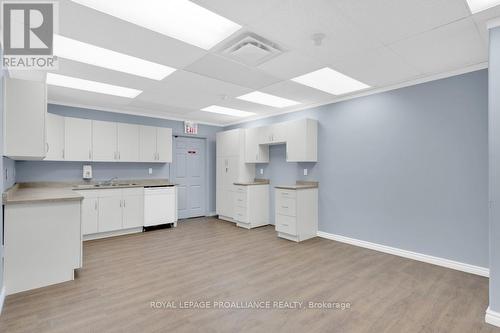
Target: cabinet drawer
(286,224)
(240,189)
(240,199)
(285,193)
(286,206)
(240,214)
(133,191)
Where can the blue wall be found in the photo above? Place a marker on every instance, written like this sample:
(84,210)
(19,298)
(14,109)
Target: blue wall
(72,171)
(494,169)
(405,168)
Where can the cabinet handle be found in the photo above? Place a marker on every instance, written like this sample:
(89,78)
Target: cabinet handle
(121,203)
(90,155)
(63,154)
(47,147)
(285,225)
(124,203)
(95,205)
(284,207)
(119,155)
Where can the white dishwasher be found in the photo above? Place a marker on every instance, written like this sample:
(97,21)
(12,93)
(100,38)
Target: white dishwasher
(160,205)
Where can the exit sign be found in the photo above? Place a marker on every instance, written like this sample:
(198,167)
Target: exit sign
(190,127)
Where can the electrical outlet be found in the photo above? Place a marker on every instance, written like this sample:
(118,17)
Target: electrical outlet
(150,171)
(305,172)
(261,171)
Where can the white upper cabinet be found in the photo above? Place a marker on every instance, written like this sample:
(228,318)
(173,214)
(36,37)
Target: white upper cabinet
(128,142)
(155,144)
(104,141)
(273,134)
(164,144)
(78,139)
(255,152)
(147,143)
(25,109)
(300,137)
(55,137)
(302,141)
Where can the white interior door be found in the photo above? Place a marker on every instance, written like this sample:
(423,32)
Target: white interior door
(128,142)
(189,173)
(104,141)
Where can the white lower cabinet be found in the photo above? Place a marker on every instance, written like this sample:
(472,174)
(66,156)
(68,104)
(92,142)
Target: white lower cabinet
(251,205)
(133,209)
(112,210)
(90,215)
(296,213)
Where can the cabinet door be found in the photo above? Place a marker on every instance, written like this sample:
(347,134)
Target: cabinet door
(133,211)
(55,137)
(90,214)
(103,141)
(164,144)
(25,109)
(296,143)
(110,212)
(254,151)
(219,179)
(279,132)
(77,139)
(128,142)
(147,143)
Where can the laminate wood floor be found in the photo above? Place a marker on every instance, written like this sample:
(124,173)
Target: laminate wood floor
(211,260)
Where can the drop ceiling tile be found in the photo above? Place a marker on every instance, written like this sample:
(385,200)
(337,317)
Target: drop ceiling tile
(450,47)
(291,64)
(94,73)
(298,92)
(155,107)
(240,11)
(91,26)
(211,117)
(392,20)
(190,90)
(377,67)
(226,70)
(81,97)
(292,24)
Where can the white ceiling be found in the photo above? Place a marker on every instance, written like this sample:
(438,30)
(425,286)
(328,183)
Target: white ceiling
(382,43)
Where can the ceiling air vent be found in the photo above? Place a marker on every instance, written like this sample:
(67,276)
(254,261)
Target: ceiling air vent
(251,50)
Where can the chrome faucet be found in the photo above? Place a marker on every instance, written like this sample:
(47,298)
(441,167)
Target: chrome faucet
(109,182)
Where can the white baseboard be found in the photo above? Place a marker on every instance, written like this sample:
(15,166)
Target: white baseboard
(460,266)
(492,317)
(2,298)
(112,233)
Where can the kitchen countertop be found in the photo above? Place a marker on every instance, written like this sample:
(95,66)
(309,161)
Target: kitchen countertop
(299,185)
(63,191)
(254,182)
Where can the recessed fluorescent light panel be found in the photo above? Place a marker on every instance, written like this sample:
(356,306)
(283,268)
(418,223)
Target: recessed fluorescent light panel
(227,111)
(268,99)
(93,86)
(180,19)
(93,55)
(330,81)
(480,5)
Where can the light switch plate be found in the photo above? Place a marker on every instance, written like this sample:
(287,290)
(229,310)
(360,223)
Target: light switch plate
(305,172)
(150,171)
(261,171)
